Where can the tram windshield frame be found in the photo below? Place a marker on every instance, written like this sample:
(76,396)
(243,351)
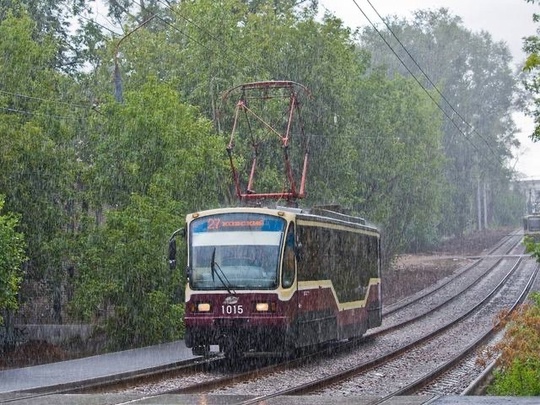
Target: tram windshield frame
(235,251)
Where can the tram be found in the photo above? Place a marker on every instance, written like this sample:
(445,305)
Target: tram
(531,226)
(262,277)
(279,279)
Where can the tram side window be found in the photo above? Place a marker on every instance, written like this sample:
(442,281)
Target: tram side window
(348,259)
(346,272)
(288,260)
(314,255)
(373,256)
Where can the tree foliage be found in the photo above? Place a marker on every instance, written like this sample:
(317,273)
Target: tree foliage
(399,165)
(124,285)
(37,164)
(470,74)
(11,259)
(155,160)
(531,46)
(109,139)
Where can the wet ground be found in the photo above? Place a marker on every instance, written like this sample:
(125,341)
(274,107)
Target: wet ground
(410,273)
(413,272)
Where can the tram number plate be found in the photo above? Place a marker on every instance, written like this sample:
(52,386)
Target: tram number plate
(232,309)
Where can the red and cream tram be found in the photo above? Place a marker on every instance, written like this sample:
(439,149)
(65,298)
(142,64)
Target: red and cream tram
(274,280)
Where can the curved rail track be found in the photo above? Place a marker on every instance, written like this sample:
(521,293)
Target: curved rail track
(425,302)
(214,376)
(397,363)
(226,384)
(440,379)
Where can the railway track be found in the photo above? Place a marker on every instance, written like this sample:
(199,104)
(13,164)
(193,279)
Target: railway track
(505,246)
(216,378)
(317,383)
(395,366)
(448,377)
(443,293)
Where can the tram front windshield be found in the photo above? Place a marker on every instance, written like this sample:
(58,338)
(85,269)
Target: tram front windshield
(235,251)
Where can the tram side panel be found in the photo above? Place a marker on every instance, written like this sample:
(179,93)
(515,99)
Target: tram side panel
(338,283)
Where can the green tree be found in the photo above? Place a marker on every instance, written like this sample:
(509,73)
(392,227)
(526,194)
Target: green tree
(472,74)
(53,19)
(154,145)
(156,159)
(531,46)
(399,161)
(124,285)
(38,160)
(11,260)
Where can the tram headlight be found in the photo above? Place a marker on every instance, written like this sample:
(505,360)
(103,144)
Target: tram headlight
(203,307)
(265,307)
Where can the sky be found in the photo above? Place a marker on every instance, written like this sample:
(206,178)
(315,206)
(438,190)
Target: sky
(505,20)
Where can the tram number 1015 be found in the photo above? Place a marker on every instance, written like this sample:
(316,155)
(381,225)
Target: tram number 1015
(232,309)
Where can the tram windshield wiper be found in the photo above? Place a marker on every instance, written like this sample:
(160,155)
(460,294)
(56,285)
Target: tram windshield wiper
(213,267)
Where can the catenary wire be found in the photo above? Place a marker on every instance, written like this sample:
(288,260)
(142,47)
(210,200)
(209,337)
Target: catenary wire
(202,29)
(44,99)
(423,87)
(443,97)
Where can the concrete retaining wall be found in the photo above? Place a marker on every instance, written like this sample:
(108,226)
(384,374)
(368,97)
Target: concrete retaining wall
(56,334)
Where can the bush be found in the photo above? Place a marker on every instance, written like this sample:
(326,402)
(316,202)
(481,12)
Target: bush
(520,379)
(125,285)
(519,361)
(11,260)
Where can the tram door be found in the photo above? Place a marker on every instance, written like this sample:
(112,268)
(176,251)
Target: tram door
(317,315)
(307,323)
(289,277)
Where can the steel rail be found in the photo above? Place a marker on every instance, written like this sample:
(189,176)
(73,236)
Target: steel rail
(406,302)
(420,383)
(319,384)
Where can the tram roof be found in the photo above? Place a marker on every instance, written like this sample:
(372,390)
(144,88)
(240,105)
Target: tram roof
(323,214)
